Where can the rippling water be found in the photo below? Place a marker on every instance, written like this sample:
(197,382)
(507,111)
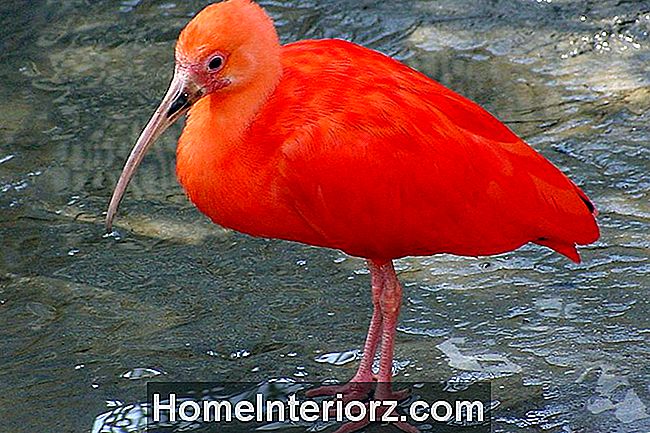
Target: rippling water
(86,319)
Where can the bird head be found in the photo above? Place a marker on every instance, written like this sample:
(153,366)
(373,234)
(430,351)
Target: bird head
(225,49)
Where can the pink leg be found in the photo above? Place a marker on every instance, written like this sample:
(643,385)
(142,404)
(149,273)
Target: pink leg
(364,373)
(359,385)
(390,300)
(390,303)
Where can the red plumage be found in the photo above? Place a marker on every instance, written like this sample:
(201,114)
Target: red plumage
(356,151)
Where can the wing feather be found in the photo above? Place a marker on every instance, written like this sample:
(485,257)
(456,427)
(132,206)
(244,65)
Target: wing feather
(385,162)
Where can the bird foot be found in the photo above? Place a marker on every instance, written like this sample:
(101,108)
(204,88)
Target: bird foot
(374,396)
(384,391)
(381,414)
(350,391)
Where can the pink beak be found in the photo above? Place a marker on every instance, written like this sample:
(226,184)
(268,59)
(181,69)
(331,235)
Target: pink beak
(181,95)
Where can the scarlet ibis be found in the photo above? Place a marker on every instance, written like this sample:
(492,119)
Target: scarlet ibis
(332,144)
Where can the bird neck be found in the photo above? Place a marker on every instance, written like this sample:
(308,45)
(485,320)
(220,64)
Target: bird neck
(237,110)
(213,142)
(230,113)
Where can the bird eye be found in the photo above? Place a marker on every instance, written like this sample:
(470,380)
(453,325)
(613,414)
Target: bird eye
(215,63)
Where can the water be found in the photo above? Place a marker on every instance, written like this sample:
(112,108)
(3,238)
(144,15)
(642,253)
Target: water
(86,319)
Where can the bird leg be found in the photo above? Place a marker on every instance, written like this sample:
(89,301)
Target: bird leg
(387,304)
(364,373)
(359,386)
(390,302)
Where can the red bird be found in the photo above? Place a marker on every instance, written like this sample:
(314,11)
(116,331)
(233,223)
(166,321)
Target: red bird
(329,143)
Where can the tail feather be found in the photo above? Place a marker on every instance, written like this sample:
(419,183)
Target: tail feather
(568,250)
(573,227)
(586,201)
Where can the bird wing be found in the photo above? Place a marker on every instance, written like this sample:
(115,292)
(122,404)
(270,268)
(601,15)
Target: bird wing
(383,162)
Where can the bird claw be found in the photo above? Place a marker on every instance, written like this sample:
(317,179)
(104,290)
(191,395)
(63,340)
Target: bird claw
(350,391)
(384,391)
(354,426)
(360,391)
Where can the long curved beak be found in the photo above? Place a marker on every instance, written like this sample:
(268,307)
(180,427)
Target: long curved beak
(181,95)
